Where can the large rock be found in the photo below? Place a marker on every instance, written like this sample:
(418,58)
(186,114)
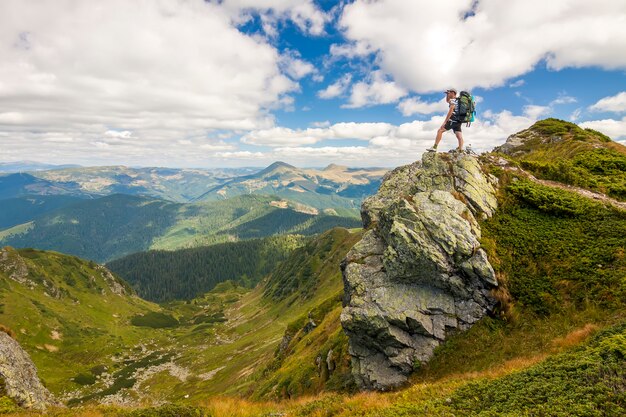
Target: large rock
(18,376)
(419,272)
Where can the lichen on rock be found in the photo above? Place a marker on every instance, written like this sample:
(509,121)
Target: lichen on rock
(419,272)
(19,377)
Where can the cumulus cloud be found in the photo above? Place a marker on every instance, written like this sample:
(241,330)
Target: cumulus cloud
(282,136)
(337,88)
(535,112)
(377,89)
(415,105)
(428,45)
(159,71)
(615,104)
(295,67)
(304,13)
(393,144)
(615,129)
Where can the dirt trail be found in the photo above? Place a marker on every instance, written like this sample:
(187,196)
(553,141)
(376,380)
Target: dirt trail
(580,191)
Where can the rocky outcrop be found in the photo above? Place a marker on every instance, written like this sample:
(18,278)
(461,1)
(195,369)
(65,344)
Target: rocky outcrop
(419,272)
(18,376)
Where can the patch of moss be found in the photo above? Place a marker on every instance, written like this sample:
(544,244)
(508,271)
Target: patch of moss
(155,320)
(84,379)
(7,405)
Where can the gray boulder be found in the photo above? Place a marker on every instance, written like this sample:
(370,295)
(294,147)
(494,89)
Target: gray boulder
(18,376)
(419,272)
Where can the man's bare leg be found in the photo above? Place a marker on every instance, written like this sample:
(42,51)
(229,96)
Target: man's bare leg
(438,137)
(459,136)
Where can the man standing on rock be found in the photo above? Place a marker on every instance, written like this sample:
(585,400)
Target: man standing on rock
(450,122)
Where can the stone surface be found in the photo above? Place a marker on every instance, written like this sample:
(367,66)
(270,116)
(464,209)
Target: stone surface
(19,376)
(418,273)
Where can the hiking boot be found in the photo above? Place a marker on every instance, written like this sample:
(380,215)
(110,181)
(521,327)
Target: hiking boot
(431,150)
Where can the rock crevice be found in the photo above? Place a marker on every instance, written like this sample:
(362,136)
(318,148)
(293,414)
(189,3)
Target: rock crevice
(419,272)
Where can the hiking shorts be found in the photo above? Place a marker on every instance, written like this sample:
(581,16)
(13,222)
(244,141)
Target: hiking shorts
(454,125)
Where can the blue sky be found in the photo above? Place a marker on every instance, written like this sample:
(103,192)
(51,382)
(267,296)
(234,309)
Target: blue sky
(192,83)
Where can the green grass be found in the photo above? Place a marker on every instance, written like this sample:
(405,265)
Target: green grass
(561,151)
(556,248)
(222,341)
(154,320)
(602,170)
(588,381)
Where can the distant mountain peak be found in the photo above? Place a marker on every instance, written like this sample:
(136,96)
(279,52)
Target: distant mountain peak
(335,167)
(276,166)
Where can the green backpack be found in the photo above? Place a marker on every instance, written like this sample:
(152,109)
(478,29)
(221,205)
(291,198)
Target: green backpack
(466,108)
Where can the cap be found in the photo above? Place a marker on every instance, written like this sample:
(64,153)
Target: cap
(451,90)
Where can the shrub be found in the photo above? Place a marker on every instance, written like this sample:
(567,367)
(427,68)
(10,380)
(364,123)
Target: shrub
(155,320)
(169,410)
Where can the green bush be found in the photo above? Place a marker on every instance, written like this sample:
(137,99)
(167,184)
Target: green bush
(155,320)
(601,169)
(558,248)
(84,379)
(169,410)
(7,405)
(587,381)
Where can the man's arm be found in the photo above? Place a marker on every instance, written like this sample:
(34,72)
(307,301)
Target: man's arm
(449,115)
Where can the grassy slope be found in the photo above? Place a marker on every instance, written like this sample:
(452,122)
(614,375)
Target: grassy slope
(186,273)
(81,328)
(116,225)
(557,346)
(557,150)
(222,342)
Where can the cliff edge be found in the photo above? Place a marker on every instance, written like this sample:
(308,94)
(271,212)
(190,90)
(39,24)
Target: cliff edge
(419,272)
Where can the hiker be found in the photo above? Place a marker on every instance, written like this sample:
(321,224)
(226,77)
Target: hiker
(450,122)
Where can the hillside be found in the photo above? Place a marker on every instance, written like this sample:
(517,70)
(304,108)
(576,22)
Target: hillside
(188,273)
(21,210)
(110,227)
(92,339)
(98,229)
(549,340)
(24,184)
(174,184)
(556,150)
(333,187)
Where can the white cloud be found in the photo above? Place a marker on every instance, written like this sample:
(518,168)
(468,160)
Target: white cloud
(304,13)
(295,67)
(392,144)
(517,83)
(325,123)
(282,136)
(428,45)
(564,99)
(137,74)
(615,129)
(337,88)
(246,155)
(377,89)
(535,112)
(616,104)
(351,50)
(119,134)
(575,115)
(415,105)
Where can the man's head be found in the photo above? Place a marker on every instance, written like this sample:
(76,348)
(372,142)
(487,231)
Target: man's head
(451,92)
